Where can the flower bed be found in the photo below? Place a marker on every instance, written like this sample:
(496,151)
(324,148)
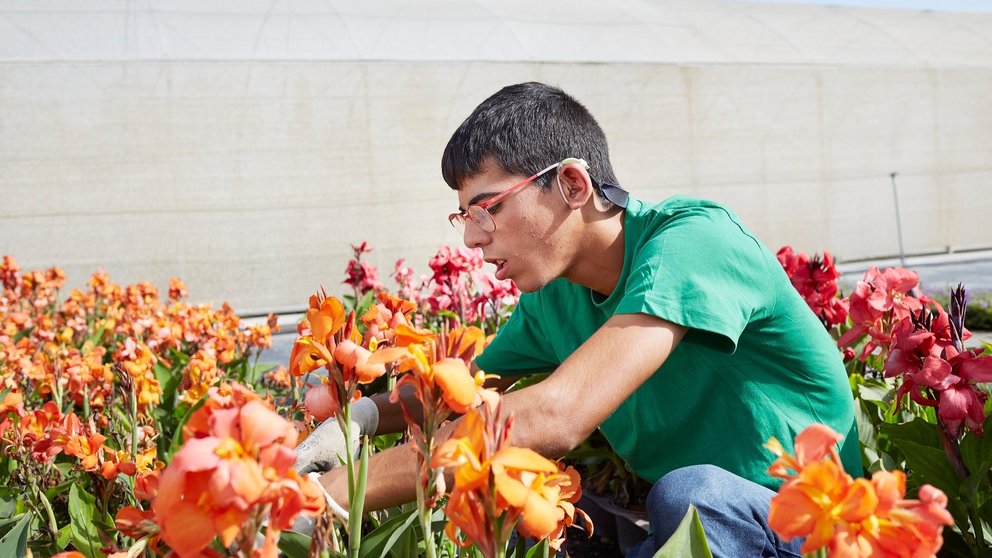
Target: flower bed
(133,423)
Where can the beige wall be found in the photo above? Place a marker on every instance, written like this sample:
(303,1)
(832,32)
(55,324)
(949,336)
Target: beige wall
(250,179)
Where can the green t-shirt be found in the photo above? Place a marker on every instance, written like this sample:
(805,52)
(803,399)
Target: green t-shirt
(755,363)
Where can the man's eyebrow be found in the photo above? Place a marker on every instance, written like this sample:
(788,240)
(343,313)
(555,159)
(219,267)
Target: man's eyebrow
(481,197)
(476,199)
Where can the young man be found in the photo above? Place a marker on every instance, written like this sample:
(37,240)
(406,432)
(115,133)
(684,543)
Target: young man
(668,325)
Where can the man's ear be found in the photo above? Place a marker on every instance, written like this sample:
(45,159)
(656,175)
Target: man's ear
(575,185)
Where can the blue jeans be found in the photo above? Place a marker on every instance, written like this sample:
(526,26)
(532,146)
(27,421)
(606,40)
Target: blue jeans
(733,510)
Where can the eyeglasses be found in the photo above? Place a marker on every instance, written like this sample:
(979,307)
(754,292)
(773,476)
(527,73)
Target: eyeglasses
(479,212)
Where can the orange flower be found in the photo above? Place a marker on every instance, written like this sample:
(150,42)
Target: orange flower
(355,359)
(812,444)
(440,368)
(851,517)
(240,466)
(325,317)
(313,350)
(138,524)
(383,318)
(321,401)
(116,462)
(87,448)
(201,373)
(497,486)
(146,485)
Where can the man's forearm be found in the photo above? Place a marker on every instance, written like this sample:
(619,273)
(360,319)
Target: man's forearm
(392,479)
(391,415)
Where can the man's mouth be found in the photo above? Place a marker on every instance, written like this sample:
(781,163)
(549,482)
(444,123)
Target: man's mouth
(500,266)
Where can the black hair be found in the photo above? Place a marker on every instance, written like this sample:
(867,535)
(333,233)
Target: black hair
(523,128)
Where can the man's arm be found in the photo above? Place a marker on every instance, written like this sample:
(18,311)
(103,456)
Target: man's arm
(551,417)
(555,415)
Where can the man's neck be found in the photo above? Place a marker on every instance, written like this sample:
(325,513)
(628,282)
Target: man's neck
(599,260)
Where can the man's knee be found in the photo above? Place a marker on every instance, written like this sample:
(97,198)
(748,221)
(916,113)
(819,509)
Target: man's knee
(695,484)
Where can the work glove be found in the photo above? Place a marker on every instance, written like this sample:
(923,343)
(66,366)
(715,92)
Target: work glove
(325,448)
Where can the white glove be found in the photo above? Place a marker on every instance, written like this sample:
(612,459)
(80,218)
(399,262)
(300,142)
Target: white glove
(304,523)
(325,448)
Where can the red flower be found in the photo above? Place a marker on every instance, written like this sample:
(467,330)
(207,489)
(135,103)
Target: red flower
(936,374)
(816,281)
(878,303)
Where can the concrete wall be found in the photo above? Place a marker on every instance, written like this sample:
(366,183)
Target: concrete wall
(249,179)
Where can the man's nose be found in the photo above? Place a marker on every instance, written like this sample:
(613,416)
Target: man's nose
(474,236)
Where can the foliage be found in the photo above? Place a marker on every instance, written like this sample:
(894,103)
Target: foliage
(146,426)
(134,424)
(921,401)
(96,390)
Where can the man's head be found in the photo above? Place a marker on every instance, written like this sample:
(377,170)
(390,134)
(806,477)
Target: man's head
(522,129)
(524,190)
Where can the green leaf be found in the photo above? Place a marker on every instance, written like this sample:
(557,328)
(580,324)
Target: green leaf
(876,390)
(259,370)
(929,465)
(169,380)
(21,334)
(539,550)
(294,545)
(382,539)
(382,442)
(689,540)
(917,431)
(15,542)
(97,336)
(177,436)
(976,450)
(65,535)
(82,512)
(8,502)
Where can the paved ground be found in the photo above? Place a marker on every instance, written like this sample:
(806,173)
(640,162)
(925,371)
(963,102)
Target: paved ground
(937,273)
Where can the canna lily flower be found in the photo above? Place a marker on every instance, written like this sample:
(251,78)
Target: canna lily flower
(354,360)
(146,484)
(934,373)
(879,302)
(498,486)
(851,517)
(117,462)
(321,401)
(325,317)
(313,349)
(891,290)
(240,467)
(383,318)
(570,492)
(812,444)
(199,375)
(816,281)
(87,448)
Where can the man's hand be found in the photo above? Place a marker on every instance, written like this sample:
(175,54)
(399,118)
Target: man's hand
(325,448)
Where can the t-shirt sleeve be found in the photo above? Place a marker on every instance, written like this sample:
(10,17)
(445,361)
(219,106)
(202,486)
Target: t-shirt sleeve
(700,269)
(520,345)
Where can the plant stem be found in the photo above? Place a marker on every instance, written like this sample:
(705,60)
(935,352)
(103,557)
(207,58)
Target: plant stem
(976,520)
(350,465)
(426,486)
(133,407)
(424,514)
(86,402)
(953,451)
(53,527)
